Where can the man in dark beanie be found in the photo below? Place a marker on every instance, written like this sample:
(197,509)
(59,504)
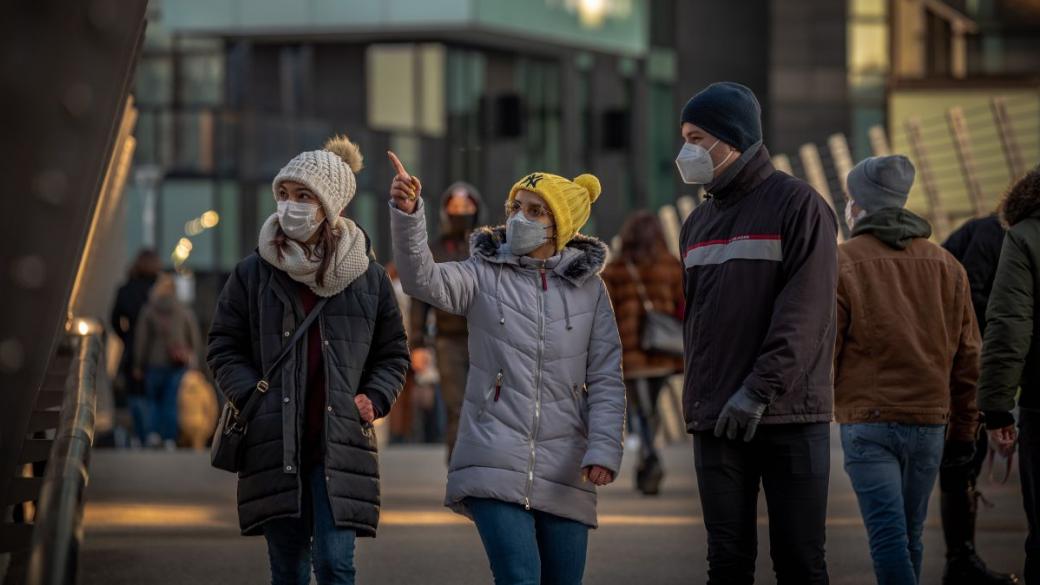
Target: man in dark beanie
(760,273)
(906,362)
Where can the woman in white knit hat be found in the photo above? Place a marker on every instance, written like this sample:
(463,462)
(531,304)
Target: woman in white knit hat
(309,474)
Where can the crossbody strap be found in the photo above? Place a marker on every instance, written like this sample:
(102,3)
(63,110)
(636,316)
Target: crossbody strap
(261,387)
(640,289)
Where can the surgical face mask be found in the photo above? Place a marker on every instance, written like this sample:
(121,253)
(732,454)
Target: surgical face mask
(850,219)
(524,235)
(695,164)
(299,220)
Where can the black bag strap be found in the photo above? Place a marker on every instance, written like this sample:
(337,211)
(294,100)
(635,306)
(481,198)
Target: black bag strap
(253,402)
(640,289)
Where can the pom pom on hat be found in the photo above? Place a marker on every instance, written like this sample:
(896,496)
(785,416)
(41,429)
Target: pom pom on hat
(342,147)
(591,184)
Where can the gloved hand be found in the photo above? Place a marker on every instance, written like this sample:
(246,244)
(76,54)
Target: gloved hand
(958,453)
(742,411)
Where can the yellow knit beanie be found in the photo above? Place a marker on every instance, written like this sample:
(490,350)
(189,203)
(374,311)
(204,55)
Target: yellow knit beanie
(569,201)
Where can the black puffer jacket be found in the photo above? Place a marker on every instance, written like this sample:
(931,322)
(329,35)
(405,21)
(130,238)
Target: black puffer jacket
(365,352)
(976,245)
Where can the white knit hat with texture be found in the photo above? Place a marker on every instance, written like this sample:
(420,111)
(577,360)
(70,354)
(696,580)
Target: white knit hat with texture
(329,173)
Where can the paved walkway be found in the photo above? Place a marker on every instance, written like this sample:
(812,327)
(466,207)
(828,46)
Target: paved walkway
(169,518)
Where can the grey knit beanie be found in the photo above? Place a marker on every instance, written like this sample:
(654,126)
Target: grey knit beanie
(881,181)
(329,173)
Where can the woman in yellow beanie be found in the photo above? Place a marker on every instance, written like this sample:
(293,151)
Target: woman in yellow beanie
(542,419)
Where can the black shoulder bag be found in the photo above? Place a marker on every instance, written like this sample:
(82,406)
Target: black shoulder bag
(226,450)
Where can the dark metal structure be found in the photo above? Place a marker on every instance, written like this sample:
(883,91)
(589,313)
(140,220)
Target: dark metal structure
(65,74)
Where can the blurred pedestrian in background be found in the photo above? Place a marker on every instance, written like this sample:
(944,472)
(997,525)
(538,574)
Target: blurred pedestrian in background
(906,362)
(645,276)
(460,207)
(130,299)
(166,343)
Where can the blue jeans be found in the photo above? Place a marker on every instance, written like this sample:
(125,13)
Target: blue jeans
(294,543)
(141,415)
(893,468)
(160,386)
(530,547)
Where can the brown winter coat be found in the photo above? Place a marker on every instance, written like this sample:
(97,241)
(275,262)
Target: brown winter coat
(662,278)
(908,343)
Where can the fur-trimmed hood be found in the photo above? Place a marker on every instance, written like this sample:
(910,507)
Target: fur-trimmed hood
(1022,200)
(582,257)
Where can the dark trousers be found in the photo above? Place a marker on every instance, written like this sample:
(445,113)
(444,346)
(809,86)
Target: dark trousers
(1029,470)
(643,395)
(792,464)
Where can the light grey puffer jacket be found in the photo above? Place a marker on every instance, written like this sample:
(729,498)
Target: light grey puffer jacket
(545,396)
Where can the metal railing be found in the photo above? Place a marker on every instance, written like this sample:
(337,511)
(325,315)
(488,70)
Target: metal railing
(41,542)
(58,530)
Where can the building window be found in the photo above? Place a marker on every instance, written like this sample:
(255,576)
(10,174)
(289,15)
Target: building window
(406,88)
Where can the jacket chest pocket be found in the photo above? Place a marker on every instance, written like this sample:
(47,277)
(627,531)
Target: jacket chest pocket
(492,394)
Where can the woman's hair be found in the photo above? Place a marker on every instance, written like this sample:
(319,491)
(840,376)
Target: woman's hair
(642,238)
(323,250)
(1022,199)
(146,265)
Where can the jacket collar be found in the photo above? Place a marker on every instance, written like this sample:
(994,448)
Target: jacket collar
(582,257)
(894,226)
(754,173)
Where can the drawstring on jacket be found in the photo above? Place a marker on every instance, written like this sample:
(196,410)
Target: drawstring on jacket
(566,308)
(498,296)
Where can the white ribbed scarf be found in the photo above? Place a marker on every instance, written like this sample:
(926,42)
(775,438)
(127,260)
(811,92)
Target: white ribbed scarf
(350,260)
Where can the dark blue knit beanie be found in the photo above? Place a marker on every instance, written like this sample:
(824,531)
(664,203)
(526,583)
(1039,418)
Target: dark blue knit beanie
(728,111)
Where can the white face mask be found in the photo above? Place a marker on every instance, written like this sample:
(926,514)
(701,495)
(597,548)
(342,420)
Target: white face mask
(524,235)
(695,164)
(850,220)
(299,220)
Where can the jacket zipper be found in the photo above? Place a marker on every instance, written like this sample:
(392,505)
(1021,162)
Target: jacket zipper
(576,392)
(537,390)
(328,404)
(492,393)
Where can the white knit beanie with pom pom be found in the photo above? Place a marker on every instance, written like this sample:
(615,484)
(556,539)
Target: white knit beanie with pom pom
(329,173)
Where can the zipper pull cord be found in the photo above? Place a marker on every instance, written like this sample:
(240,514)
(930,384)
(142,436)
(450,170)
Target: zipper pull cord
(498,386)
(545,282)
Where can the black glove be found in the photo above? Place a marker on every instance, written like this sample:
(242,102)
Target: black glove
(742,411)
(958,453)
